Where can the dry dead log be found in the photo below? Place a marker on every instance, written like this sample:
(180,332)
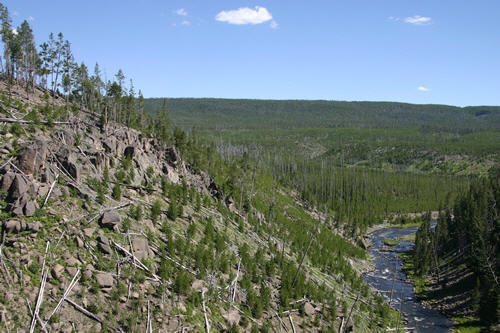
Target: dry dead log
(21,121)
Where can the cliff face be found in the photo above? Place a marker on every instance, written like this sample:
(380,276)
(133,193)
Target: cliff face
(105,228)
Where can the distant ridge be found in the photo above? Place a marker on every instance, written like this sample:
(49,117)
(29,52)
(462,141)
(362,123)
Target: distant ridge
(217,113)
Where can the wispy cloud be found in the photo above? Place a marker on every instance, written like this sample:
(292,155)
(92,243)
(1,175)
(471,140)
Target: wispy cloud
(181,12)
(186,22)
(422,88)
(418,20)
(245,16)
(31,18)
(393,18)
(274,24)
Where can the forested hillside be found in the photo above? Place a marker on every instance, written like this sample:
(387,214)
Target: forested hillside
(457,261)
(223,114)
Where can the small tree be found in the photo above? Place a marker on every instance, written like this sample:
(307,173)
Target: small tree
(117,192)
(155,210)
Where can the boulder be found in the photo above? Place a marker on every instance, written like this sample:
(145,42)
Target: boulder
(109,145)
(16,208)
(309,309)
(110,220)
(71,270)
(7,180)
(232,318)
(63,154)
(141,248)
(43,190)
(129,152)
(12,226)
(103,244)
(71,261)
(172,156)
(79,242)
(89,232)
(197,285)
(57,271)
(32,159)
(30,208)
(17,189)
(105,280)
(34,226)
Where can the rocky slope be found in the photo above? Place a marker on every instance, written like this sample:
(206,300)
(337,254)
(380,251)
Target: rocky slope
(106,229)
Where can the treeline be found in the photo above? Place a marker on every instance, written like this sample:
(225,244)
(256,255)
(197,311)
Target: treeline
(217,113)
(467,236)
(52,65)
(362,197)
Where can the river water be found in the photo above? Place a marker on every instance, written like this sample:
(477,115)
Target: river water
(388,272)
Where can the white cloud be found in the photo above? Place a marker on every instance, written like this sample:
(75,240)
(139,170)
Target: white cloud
(14,31)
(181,12)
(393,18)
(31,18)
(274,24)
(186,22)
(418,20)
(245,16)
(422,88)
(15,13)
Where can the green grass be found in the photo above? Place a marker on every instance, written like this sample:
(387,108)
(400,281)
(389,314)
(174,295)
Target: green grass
(409,238)
(467,325)
(409,269)
(390,242)
(406,225)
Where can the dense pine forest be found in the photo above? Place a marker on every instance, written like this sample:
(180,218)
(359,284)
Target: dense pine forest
(460,254)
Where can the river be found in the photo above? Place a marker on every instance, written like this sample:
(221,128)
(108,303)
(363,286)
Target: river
(388,272)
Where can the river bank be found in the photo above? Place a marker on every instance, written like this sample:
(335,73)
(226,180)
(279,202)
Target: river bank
(389,279)
(446,297)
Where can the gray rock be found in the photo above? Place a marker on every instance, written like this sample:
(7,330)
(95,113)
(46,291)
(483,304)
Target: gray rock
(88,232)
(71,261)
(309,309)
(172,156)
(79,242)
(71,270)
(34,226)
(109,145)
(16,209)
(111,220)
(17,189)
(105,280)
(141,248)
(63,154)
(232,318)
(103,244)
(197,285)
(43,190)
(57,271)
(32,159)
(30,208)
(12,226)
(7,180)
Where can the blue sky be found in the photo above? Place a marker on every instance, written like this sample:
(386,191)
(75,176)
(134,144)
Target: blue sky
(445,51)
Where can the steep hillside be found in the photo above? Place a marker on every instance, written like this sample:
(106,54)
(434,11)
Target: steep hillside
(107,228)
